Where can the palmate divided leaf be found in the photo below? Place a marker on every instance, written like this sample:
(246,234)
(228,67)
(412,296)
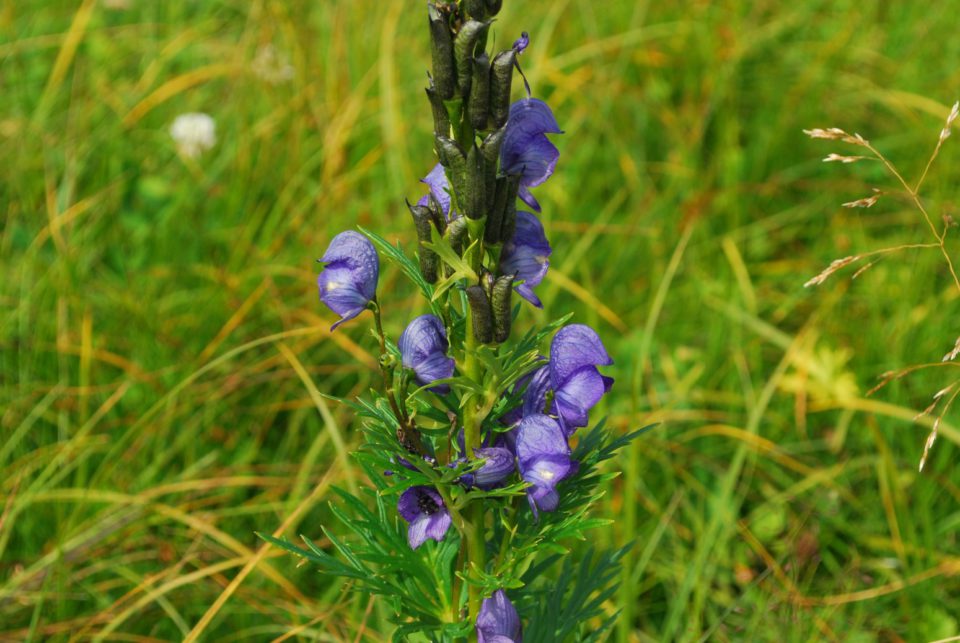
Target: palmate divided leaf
(473,444)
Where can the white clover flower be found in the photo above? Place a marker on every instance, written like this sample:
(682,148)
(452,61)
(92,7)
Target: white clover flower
(194,133)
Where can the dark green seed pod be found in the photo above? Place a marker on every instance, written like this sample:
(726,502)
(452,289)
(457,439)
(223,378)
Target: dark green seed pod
(501,81)
(490,150)
(457,234)
(508,219)
(444,66)
(491,233)
(436,214)
(493,6)
(481,314)
(476,195)
(463,47)
(441,119)
(502,310)
(429,261)
(479,104)
(454,160)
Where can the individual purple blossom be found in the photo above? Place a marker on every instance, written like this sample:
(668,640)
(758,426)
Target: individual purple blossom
(544,458)
(423,347)
(348,281)
(527,256)
(423,508)
(498,621)
(575,353)
(526,150)
(439,188)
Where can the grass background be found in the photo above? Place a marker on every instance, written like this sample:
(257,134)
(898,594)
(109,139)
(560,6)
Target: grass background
(161,343)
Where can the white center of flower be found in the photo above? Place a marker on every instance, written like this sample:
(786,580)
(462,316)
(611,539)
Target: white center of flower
(546,474)
(333,285)
(541,259)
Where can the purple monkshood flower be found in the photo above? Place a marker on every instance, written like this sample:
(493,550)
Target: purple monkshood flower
(544,458)
(439,188)
(527,255)
(423,508)
(423,347)
(526,150)
(575,353)
(349,279)
(498,621)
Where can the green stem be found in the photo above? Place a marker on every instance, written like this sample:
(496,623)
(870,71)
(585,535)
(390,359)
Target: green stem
(476,556)
(385,370)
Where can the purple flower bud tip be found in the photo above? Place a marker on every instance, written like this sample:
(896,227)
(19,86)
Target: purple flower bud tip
(526,150)
(527,256)
(522,42)
(423,508)
(439,188)
(544,458)
(498,621)
(348,282)
(575,354)
(423,347)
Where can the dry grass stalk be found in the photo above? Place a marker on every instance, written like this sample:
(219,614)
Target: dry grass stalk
(913,193)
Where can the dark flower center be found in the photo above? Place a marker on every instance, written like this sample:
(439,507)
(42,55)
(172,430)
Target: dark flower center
(427,505)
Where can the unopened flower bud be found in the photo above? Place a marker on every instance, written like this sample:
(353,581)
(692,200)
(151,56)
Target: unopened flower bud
(481,314)
(478,107)
(500,305)
(501,80)
(429,261)
(464,46)
(444,74)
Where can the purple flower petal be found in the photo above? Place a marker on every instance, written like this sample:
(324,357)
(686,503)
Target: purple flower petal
(417,532)
(438,525)
(499,464)
(339,293)
(498,621)
(527,197)
(526,149)
(439,188)
(540,436)
(348,281)
(544,458)
(579,393)
(423,347)
(535,397)
(574,347)
(527,255)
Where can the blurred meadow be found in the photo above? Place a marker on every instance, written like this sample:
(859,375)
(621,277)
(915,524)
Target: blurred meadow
(163,351)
